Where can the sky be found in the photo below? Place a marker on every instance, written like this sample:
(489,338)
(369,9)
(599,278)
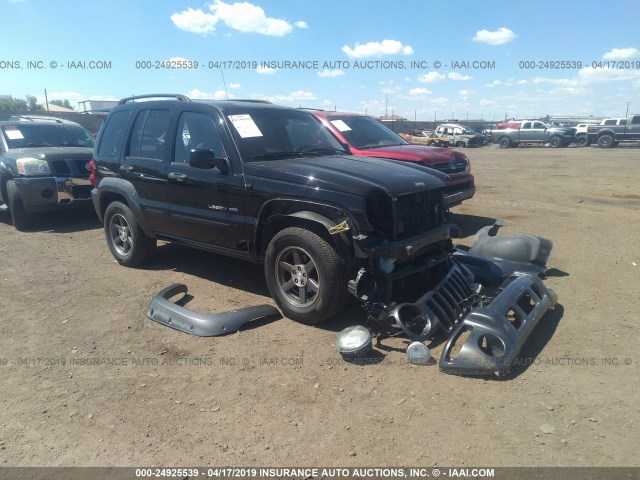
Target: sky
(419,59)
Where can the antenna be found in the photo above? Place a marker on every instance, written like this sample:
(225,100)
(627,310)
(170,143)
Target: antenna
(225,85)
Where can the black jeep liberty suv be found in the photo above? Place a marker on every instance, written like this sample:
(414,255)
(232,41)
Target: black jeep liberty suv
(270,184)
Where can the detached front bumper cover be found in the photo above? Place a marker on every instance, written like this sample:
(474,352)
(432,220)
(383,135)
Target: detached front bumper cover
(495,333)
(163,311)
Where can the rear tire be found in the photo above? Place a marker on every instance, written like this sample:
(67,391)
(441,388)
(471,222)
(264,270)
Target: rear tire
(582,140)
(21,218)
(504,142)
(605,141)
(305,276)
(128,243)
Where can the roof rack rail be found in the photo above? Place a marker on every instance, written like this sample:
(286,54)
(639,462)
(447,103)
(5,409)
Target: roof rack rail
(249,100)
(35,118)
(182,98)
(314,109)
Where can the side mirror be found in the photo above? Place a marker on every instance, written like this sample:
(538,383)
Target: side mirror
(205,158)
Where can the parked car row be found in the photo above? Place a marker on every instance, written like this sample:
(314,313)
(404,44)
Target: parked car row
(45,161)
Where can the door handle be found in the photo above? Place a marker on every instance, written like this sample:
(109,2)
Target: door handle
(126,168)
(180,177)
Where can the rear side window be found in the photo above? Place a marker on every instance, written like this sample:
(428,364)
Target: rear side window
(635,120)
(111,137)
(149,136)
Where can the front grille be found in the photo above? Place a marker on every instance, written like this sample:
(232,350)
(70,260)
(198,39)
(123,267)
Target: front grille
(60,167)
(459,165)
(76,168)
(449,301)
(417,212)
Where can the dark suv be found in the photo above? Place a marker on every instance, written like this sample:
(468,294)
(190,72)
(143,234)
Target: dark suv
(44,165)
(270,184)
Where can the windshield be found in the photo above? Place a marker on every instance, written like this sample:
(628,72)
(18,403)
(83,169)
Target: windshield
(365,132)
(44,135)
(270,134)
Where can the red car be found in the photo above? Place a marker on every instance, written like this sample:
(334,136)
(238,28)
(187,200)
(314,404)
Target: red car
(367,136)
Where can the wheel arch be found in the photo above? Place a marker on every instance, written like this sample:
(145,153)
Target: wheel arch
(319,219)
(119,190)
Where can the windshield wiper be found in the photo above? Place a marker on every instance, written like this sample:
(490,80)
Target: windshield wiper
(322,151)
(38,145)
(368,147)
(280,154)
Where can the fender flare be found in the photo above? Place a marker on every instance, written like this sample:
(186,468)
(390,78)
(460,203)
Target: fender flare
(123,188)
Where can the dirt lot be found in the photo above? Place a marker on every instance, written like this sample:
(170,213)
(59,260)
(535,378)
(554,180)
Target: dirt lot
(279,395)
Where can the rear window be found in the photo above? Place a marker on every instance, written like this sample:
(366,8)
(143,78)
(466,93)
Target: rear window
(26,135)
(111,136)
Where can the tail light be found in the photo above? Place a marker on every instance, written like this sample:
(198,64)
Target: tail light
(92,173)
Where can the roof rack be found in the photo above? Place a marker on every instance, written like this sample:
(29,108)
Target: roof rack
(249,100)
(181,98)
(314,109)
(35,118)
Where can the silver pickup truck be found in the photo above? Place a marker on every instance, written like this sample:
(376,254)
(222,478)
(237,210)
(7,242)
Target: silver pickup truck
(607,136)
(534,131)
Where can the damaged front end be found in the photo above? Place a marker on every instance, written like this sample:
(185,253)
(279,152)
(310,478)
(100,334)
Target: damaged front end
(490,293)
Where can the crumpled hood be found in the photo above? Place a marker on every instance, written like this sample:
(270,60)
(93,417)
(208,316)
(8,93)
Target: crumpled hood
(350,174)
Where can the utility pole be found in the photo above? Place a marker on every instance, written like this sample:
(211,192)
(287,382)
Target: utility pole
(627,112)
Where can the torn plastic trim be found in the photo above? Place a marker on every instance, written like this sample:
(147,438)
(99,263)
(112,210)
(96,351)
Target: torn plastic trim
(444,306)
(496,333)
(162,310)
(406,248)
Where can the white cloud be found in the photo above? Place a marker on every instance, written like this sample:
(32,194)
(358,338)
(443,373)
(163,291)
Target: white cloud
(302,95)
(200,95)
(240,16)
(195,21)
(177,59)
(431,77)
(621,54)
(589,75)
(495,83)
(294,98)
(465,94)
(326,73)
(246,17)
(419,91)
(266,70)
(16,1)
(459,77)
(487,103)
(497,37)
(371,49)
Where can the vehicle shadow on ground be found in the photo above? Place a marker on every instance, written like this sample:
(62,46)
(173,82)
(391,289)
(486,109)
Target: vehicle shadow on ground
(223,270)
(65,221)
(470,224)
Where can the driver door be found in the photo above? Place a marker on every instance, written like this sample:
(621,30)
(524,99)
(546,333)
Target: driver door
(206,205)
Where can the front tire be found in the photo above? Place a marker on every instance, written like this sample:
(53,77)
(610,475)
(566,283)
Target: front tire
(128,243)
(305,276)
(555,142)
(21,218)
